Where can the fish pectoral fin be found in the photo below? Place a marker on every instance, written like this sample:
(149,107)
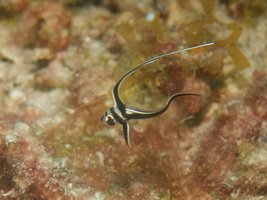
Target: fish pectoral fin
(126,132)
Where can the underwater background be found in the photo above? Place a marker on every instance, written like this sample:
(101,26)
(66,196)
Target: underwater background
(59,61)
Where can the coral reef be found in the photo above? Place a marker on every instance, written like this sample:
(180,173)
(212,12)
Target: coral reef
(59,61)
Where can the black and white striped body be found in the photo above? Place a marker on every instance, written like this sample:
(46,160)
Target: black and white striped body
(121,114)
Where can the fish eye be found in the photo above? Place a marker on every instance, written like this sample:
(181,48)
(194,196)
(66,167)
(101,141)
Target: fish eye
(110,120)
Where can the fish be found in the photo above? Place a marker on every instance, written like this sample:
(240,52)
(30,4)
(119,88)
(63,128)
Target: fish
(122,114)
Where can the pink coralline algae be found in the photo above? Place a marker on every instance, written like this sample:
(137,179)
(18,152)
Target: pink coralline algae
(47,24)
(26,169)
(220,166)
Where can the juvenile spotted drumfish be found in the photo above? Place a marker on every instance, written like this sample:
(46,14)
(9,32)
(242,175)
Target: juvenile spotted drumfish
(122,114)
